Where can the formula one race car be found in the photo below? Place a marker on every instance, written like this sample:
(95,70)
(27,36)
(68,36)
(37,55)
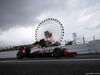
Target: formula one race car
(50,51)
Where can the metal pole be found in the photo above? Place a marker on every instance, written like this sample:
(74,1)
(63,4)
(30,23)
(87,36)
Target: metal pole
(94,37)
(83,40)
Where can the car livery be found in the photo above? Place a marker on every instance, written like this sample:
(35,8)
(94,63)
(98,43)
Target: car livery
(49,51)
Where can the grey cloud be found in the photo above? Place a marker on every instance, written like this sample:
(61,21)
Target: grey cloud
(98,26)
(24,12)
(69,12)
(15,12)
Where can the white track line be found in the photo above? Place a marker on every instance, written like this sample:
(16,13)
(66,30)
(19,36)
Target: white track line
(64,60)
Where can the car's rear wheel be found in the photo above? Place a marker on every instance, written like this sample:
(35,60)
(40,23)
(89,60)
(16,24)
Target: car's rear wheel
(20,55)
(57,52)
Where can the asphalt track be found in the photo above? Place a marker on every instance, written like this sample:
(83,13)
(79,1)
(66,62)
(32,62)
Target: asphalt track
(86,64)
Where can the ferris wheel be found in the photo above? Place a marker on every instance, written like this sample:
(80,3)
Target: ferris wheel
(50,29)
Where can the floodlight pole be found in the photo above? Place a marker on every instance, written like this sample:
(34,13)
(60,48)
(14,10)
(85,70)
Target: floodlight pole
(83,40)
(94,37)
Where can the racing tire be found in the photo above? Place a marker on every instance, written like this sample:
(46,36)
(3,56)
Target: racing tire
(20,55)
(57,52)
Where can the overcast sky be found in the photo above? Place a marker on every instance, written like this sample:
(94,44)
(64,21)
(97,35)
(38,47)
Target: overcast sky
(19,18)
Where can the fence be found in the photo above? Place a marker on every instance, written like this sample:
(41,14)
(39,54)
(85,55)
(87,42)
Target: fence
(85,40)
